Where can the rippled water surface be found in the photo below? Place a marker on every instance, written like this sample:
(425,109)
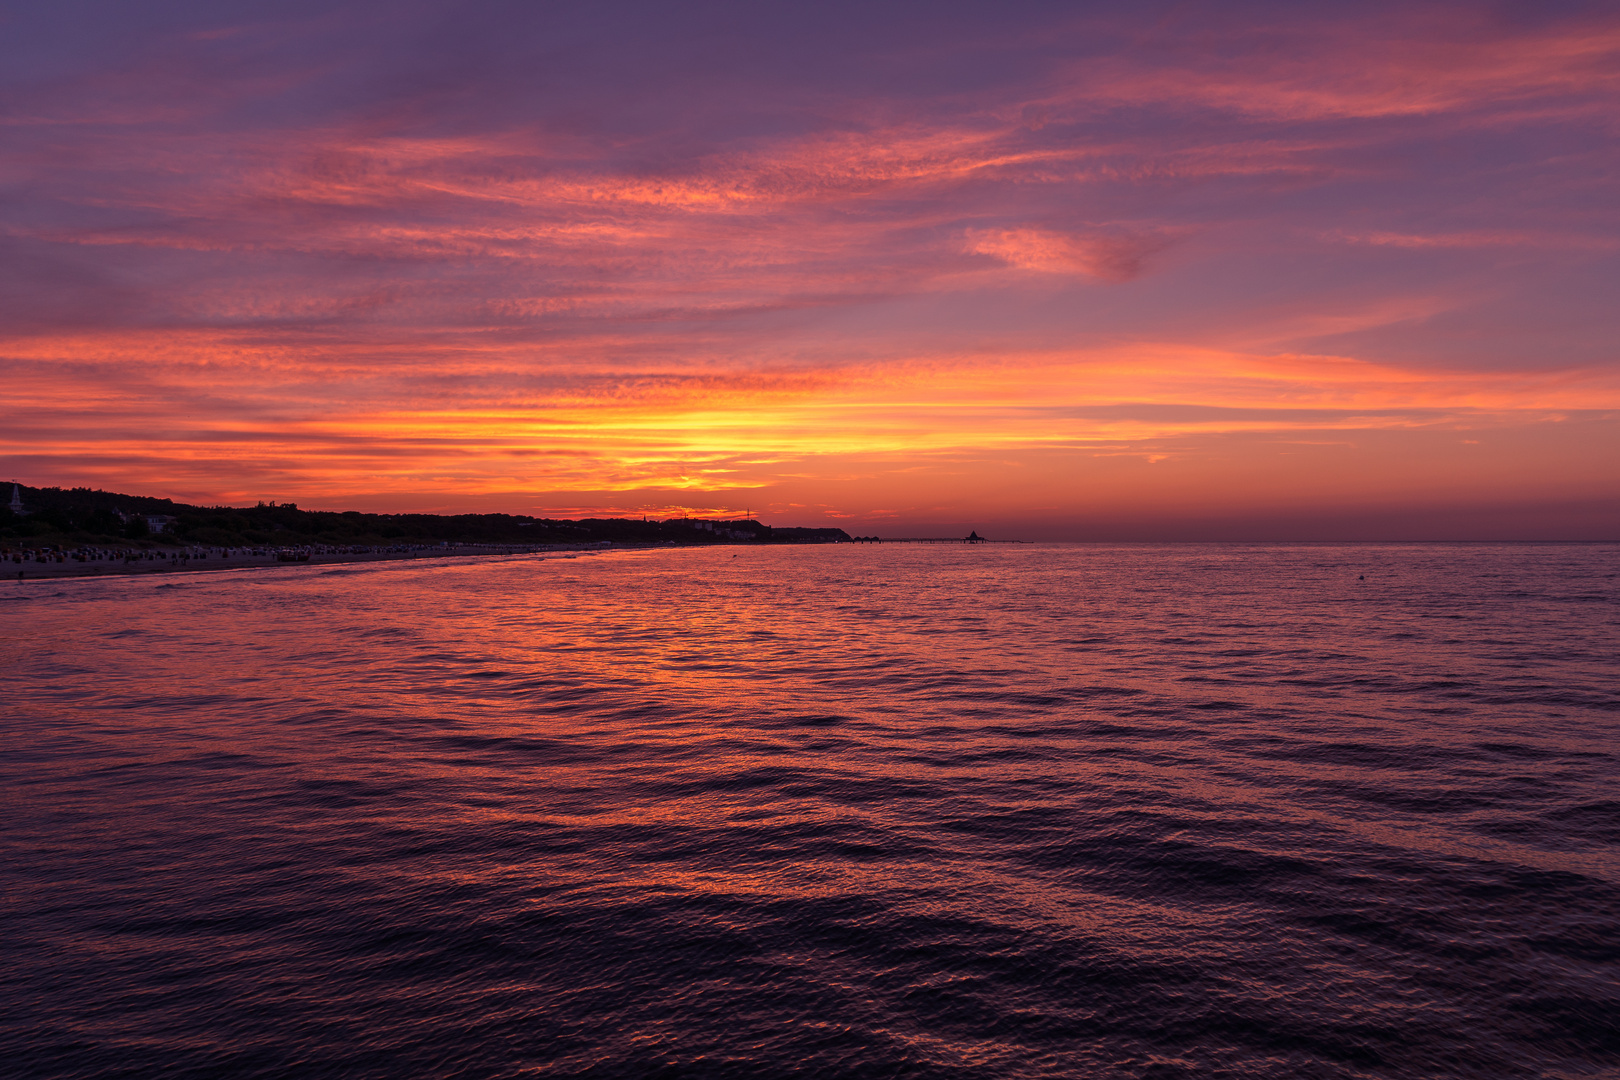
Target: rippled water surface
(847,811)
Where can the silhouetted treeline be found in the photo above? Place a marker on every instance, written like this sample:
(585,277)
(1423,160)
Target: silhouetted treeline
(58,515)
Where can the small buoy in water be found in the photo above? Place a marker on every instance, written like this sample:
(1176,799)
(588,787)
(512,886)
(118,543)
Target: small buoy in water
(1361,577)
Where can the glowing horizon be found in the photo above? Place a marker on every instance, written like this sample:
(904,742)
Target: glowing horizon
(1071,274)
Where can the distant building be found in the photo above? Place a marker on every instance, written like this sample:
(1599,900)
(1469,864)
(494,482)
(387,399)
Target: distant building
(16,501)
(157,523)
(730,534)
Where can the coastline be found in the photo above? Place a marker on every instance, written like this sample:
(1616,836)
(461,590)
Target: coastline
(185,562)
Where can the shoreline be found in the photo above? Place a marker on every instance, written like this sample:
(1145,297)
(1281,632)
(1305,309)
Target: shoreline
(177,563)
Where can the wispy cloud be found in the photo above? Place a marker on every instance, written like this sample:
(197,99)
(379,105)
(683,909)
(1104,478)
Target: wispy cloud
(1117,256)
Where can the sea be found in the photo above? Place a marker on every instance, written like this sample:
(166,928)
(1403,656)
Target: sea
(828,811)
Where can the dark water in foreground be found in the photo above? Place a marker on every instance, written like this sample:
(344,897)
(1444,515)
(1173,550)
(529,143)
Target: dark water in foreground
(852,811)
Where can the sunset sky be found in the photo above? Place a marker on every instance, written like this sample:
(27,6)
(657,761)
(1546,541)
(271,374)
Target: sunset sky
(1046,270)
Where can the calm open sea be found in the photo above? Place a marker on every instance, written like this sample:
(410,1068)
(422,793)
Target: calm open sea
(1004,811)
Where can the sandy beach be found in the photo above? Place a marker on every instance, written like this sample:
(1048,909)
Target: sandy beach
(34,566)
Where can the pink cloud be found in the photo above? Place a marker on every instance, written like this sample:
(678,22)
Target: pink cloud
(1422,63)
(1116,257)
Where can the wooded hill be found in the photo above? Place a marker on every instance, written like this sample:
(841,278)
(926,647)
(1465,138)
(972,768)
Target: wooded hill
(72,516)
